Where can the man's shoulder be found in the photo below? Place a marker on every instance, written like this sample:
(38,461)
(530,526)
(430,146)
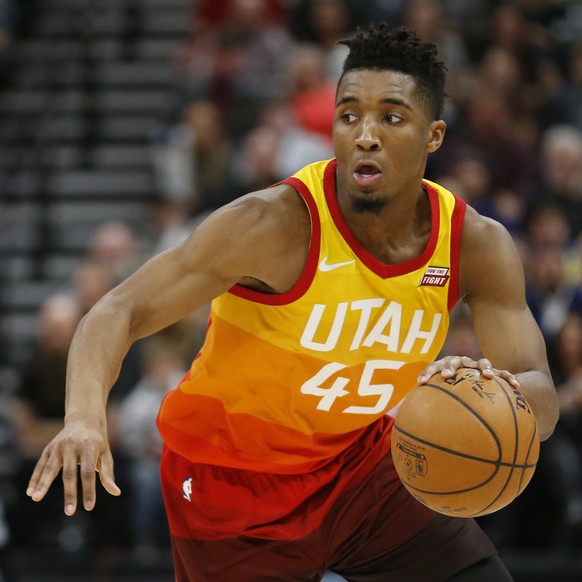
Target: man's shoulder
(484,239)
(280,201)
(288,199)
(480,226)
(264,219)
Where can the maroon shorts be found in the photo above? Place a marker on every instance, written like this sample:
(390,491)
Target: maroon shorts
(374,532)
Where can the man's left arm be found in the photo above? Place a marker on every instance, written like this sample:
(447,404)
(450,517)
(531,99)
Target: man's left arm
(493,277)
(492,283)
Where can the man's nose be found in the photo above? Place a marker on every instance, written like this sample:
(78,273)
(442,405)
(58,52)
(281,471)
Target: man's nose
(368,138)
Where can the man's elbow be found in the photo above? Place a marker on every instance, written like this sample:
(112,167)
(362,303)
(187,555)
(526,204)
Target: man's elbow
(549,420)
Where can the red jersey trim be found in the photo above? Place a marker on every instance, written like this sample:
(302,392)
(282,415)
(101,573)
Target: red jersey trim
(308,273)
(381,269)
(457,221)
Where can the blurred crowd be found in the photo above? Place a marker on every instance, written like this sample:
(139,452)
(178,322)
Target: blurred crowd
(14,17)
(254,98)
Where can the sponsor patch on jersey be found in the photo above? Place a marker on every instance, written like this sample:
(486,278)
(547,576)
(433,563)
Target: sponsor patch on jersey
(435,277)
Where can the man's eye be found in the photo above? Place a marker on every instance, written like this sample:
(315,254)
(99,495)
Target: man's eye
(348,117)
(391,118)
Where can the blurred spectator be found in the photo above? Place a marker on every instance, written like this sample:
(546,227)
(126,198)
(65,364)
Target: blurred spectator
(567,364)
(324,23)
(211,155)
(545,18)
(487,129)
(549,294)
(277,148)
(8,10)
(471,19)
(211,14)
(428,19)
(539,98)
(257,164)
(90,281)
(526,40)
(37,412)
(365,13)
(470,178)
(164,367)
(193,160)
(567,25)
(546,226)
(39,407)
(561,171)
(523,56)
(171,224)
(312,94)
(238,64)
(115,246)
(10,464)
(563,454)
(500,68)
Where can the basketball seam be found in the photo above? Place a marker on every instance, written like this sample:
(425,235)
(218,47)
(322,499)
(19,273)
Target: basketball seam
(498,463)
(516,426)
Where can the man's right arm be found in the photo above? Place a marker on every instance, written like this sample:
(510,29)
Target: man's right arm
(226,248)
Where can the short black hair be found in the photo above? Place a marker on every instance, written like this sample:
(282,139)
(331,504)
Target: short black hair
(386,48)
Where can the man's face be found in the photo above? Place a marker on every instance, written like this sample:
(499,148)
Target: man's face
(382,136)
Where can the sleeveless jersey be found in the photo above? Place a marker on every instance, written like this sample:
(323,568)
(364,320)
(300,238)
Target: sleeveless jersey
(284,383)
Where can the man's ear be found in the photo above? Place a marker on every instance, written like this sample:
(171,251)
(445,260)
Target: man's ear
(436,135)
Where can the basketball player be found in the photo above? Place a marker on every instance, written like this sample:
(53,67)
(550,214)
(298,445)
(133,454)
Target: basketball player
(331,298)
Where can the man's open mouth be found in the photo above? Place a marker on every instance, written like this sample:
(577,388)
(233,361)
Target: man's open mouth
(365,174)
(367,170)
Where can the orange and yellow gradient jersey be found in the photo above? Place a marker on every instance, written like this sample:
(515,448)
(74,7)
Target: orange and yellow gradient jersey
(285,383)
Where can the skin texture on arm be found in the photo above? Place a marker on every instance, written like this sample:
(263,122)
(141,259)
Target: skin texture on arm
(260,240)
(492,284)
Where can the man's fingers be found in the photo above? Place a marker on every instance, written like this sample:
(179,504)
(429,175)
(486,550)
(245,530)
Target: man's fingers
(446,366)
(427,373)
(70,465)
(88,478)
(456,362)
(105,468)
(486,368)
(44,474)
(510,378)
(83,454)
(33,489)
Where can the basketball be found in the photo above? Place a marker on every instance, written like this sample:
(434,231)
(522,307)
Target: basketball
(465,446)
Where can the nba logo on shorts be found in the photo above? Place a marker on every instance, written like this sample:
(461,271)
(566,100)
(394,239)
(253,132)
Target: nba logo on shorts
(187,488)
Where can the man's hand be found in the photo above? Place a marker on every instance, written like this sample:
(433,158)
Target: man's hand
(75,446)
(448,366)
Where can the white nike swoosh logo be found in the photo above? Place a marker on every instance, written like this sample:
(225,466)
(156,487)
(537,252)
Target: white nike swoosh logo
(325,266)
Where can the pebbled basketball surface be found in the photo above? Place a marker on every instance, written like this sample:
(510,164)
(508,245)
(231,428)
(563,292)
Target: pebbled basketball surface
(466,445)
